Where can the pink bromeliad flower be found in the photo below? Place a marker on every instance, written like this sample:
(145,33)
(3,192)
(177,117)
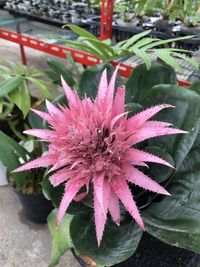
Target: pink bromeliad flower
(92,142)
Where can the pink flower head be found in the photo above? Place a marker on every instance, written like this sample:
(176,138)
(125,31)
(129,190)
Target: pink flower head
(92,142)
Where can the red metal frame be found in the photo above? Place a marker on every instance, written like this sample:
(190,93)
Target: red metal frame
(60,51)
(106,19)
(22,50)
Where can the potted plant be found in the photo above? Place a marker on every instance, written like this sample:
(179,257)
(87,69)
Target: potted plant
(78,171)
(100,141)
(16,98)
(127,17)
(187,12)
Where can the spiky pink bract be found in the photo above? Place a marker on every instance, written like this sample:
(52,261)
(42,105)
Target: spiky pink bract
(91,143)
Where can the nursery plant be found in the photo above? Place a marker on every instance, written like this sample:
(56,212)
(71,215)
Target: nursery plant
(16,96)
(186,11)
(121,161)
(143,45)
(16,99)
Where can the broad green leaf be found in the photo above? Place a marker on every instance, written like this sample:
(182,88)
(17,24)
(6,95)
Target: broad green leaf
(9,85)
(118,243)
(158,172)
(60,236)
(80,31)
(89,79)
(185,116)
(41,86)
(141,80)
(10,158)
(61,70)
(175,219)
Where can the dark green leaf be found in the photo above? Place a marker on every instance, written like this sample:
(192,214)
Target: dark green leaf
(54,76)
(9,155)
(196,87)
(89,79)
(141,80)
(118,244)
(159,172)
(185,116)
(55,194)
(61,70)
(175,219)
(52,193)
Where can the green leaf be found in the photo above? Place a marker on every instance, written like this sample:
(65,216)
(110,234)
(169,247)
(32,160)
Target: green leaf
(55,194)
(158,172)
(185,116)
(89,79)
(141,80)
(55,77)
(61,241)
(73,64)
(175,219)
(196,87)
(9,85)
(61,70)
(163,42)
(165,56)
(12,143)
(83,47)
(41,86)
(1,106)
(80,31)
(118,244)
(9,155)
(133,39)
(21,97)
(100,48)
(187,59)
(35,121)
(51,193)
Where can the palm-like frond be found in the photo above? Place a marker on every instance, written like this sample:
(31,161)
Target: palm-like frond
(140,44)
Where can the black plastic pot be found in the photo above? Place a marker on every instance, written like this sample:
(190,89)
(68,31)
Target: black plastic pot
(164,25)
(153,253)
(35,207)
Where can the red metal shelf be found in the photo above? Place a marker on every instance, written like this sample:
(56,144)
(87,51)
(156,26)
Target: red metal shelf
(60,51)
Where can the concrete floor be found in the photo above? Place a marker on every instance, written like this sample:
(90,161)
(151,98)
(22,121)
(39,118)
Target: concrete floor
(23,243)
